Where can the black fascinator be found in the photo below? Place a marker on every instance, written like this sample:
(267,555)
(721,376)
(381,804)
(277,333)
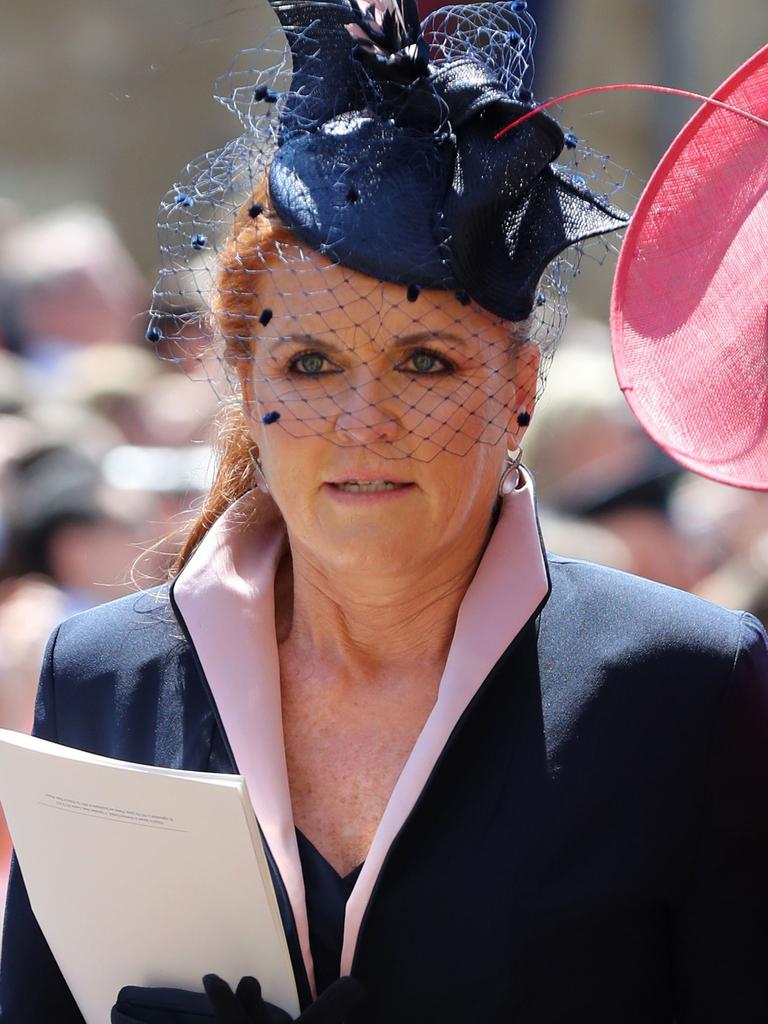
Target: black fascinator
(388,159)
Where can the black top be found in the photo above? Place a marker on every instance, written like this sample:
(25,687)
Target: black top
(326,895)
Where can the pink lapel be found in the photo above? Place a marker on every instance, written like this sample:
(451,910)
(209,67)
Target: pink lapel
(509,585)
(225,595)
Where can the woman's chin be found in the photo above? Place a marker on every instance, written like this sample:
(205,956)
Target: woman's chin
(380,549)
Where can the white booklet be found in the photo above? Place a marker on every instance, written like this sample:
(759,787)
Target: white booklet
(140,875)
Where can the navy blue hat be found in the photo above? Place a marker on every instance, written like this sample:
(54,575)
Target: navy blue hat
(387,158)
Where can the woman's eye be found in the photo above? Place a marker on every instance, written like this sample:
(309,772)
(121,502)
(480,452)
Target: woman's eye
(425,361)
(309,363)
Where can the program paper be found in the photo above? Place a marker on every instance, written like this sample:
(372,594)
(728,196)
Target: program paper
(141,875)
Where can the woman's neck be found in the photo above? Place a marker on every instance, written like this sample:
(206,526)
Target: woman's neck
(364,625)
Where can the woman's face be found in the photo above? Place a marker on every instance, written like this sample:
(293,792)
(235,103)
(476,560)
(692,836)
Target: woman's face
(394,415)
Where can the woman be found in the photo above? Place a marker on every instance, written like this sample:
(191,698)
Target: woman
(495,785)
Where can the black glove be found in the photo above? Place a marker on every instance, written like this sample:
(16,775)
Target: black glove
(245,1006)
(220,1005)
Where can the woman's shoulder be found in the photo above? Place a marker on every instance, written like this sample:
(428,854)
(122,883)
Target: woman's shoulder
(119,678)
(632,619)
(118,645)
(122,680)
(132,623)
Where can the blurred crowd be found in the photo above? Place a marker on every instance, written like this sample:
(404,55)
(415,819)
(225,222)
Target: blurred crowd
(104,447)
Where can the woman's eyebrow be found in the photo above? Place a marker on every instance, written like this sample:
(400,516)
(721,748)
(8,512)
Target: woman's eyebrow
(421,336)
(303,339)
(406,341)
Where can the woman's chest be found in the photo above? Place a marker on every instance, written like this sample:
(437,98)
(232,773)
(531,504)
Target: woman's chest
(344,757)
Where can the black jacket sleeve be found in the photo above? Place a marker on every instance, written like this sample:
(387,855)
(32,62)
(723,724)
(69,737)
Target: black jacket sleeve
(32,989)
(722,920)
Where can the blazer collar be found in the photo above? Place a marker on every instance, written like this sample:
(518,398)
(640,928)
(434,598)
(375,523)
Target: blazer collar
(225,596)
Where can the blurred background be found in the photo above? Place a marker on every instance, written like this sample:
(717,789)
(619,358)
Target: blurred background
(103,447)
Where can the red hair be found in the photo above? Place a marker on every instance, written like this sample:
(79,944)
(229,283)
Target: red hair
(254,245)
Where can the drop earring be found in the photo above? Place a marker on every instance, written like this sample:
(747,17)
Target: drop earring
(511,475)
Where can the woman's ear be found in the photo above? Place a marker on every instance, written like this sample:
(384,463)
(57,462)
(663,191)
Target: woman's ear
(247,395)
(526,388)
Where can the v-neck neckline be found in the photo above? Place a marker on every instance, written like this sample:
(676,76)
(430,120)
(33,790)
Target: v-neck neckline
(350,877)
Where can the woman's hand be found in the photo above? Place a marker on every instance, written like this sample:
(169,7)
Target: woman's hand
(220,1005)
(246,1005)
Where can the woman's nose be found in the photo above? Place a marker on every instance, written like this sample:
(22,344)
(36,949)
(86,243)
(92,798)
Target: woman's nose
(366,413)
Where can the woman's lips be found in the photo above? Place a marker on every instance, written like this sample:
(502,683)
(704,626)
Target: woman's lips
(366,490)
(367,486)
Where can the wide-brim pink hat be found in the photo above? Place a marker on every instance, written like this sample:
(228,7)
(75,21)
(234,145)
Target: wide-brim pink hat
(689,314)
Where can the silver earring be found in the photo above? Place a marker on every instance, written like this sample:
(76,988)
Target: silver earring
(511,475)
(258,472)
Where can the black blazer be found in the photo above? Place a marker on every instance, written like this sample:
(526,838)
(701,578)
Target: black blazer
(592,844)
